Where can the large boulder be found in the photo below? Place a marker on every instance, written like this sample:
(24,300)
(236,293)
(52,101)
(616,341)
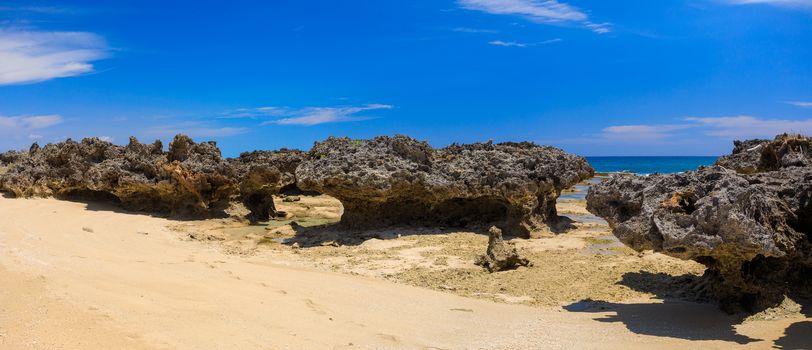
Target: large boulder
(749,224)
(399,180)
(190,179)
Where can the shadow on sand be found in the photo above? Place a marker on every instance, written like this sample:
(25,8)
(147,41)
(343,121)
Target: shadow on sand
(338,234)
(686,312)
(796,336)
(674,319)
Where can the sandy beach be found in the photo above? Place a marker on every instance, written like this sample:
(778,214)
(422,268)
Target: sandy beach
(88,276)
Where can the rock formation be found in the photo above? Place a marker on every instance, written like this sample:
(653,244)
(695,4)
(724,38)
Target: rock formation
(262,174)
(748,219)
(399,180)
(500,255)
(190,179)
(755,156)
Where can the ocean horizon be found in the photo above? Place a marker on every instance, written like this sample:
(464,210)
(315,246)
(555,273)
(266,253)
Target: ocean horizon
(649,164)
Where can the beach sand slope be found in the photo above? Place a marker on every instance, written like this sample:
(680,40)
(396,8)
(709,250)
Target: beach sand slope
(86,276)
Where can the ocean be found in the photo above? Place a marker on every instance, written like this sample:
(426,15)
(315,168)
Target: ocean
(648,165)
(637,165)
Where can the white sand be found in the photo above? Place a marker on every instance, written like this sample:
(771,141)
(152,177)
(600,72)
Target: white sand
(73,278)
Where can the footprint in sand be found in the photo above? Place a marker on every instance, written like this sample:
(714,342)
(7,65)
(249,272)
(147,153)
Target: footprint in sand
(462,310)
(314,307)
(233,275)
(389,337)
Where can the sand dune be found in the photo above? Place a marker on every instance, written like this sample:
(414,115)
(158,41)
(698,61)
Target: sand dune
(76,276)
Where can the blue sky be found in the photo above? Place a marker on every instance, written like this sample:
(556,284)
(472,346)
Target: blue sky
(635,77)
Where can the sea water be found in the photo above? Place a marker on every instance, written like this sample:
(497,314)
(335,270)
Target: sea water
(648,165)
(636,165)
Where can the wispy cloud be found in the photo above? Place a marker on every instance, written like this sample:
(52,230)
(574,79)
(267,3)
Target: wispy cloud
(729,127)
(193,130)
(802,104)
(29,122)
(34,56)
(640,132)
(539,11)
(743,126)
(519,44)
(785,3)
(308,115)
(35,9)
(17,131)
(475,30)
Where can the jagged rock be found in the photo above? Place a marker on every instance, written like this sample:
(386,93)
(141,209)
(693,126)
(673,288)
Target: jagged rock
(190,179)
(749,226)
(399,180)
(754,156)
(262,174)
(500,255)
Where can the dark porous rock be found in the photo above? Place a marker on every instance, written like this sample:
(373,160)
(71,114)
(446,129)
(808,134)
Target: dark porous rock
(263,174)
(753,156)
(9,157)
(500,255)
(190,179)
(399,180)
(750,228)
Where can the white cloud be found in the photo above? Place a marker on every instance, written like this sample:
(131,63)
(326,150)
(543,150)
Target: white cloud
(507,43)
(18,131)
(640,132)
(34,56)
(519,44)
(540,11)
(600,28)
(802,104)
(308,115)
(728,128)
(195,131)
(15,124)
(743,126)
(787,3)
(475,30)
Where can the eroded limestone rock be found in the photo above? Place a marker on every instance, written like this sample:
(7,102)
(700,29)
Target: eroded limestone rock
(190,179)
(399,180)
(749,222)
(263,174)
(755,156)
(500,255)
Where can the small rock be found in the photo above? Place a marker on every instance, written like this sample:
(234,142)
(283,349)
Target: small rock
(291,199)
(87,229)
(500,255)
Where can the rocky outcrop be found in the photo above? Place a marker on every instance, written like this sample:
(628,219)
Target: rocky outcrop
(748,220)
(399,180)
(263,174)
(190,179)
(755,156)
(500,255)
